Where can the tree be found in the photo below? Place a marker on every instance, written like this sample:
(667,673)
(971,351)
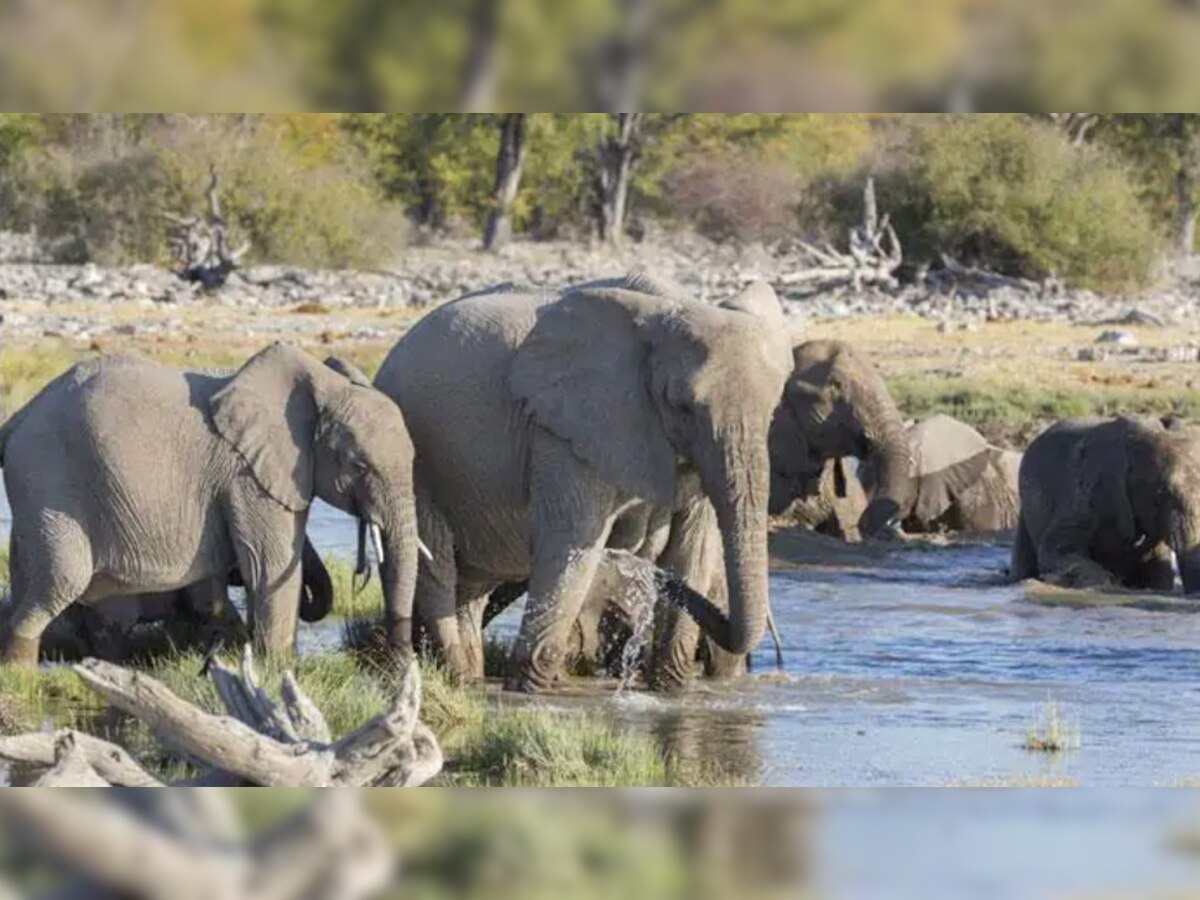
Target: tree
(1164,151)
(510,160)
(615,155)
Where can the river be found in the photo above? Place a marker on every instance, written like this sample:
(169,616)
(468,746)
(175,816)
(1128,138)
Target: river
(923,668)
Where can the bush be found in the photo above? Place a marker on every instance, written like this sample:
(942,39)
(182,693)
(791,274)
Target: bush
(101,197)
(1014,195)
(736,193)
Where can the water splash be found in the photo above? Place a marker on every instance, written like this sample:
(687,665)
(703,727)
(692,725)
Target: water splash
(637,593)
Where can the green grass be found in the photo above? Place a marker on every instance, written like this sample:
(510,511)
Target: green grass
(485,742)
(367,603)
(1014,413)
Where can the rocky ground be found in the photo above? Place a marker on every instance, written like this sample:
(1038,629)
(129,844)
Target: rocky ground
(88,301)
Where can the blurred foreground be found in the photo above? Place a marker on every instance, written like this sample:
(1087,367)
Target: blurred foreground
(532,844)
(477,55)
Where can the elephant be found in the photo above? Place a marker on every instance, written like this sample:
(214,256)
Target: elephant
(837,503)
(541,419)
(963,483)
(836,405)
(1106,502)
(129,477)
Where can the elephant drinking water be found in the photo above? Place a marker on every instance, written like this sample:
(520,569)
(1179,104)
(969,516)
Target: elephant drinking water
(539,420)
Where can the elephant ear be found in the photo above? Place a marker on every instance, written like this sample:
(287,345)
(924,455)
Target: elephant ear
(939,489)
(582,374)
(268,414)
(349,370)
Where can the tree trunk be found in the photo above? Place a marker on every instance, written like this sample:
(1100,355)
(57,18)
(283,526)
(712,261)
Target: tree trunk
(479,72)
(1185,194)
(617,153)
(510,160)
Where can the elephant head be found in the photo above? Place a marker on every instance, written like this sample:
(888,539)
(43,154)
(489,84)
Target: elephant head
(643,384)
(1162,483)
(305,430)
(835,405)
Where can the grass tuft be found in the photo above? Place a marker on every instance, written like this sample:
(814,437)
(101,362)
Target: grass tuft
(1051,732)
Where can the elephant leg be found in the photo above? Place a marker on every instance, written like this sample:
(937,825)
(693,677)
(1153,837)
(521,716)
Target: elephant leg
(210,612)
(472,601)
(1024,561)
(572,515)
(436,601)
(694,553)
(269,557)
(1156,571)
(49,573)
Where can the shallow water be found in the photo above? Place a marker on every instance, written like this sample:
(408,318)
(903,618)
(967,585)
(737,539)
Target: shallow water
(920,668)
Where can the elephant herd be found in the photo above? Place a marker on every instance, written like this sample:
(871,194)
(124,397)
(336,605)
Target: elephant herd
(554,444)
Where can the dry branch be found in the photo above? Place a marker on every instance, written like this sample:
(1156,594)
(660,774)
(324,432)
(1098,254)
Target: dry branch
(872,259)
(258,742)
(201,245)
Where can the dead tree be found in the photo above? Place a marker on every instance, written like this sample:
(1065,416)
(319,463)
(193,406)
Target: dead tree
(1076,126)
(873,257)
(201,245)
(191,844)
(257,741)
(510,160)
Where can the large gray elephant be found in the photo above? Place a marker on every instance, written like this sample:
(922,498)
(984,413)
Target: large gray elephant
(540,420)
(1107,501)
(836,405)
(963,483)
(129,477)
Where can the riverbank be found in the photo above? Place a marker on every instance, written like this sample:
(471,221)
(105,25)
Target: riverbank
(1008,379)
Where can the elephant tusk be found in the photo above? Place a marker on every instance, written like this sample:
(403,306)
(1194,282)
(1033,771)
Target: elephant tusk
(424,550)
(775,638)
(377,542)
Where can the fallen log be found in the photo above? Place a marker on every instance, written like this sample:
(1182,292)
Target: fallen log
(257,742)
(190,844)
(200,243)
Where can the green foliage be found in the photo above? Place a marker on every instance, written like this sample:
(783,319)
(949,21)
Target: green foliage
(1014,195)
(1012,414)
(100,186)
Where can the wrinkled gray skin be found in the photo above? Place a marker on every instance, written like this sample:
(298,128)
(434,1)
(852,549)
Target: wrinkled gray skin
(1105,502)
(963,483)
(540,420)
(834,405)
(128,477)
(193,615)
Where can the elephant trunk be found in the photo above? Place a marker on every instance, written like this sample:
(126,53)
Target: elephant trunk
(398,570)
(738,484)
(316,599)
(896,485)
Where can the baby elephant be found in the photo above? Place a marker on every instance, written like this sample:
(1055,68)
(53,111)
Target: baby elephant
(1106,501)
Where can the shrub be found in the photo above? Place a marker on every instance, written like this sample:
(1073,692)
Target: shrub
(737,193)
(102,197)
(1007,193)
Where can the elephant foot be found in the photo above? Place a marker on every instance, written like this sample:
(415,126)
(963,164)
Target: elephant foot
(20,652)
(533,672)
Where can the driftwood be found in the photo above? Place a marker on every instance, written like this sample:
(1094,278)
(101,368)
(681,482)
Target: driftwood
(186,844)
(954,275)
(873,257)
(257,742)
(201,243)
